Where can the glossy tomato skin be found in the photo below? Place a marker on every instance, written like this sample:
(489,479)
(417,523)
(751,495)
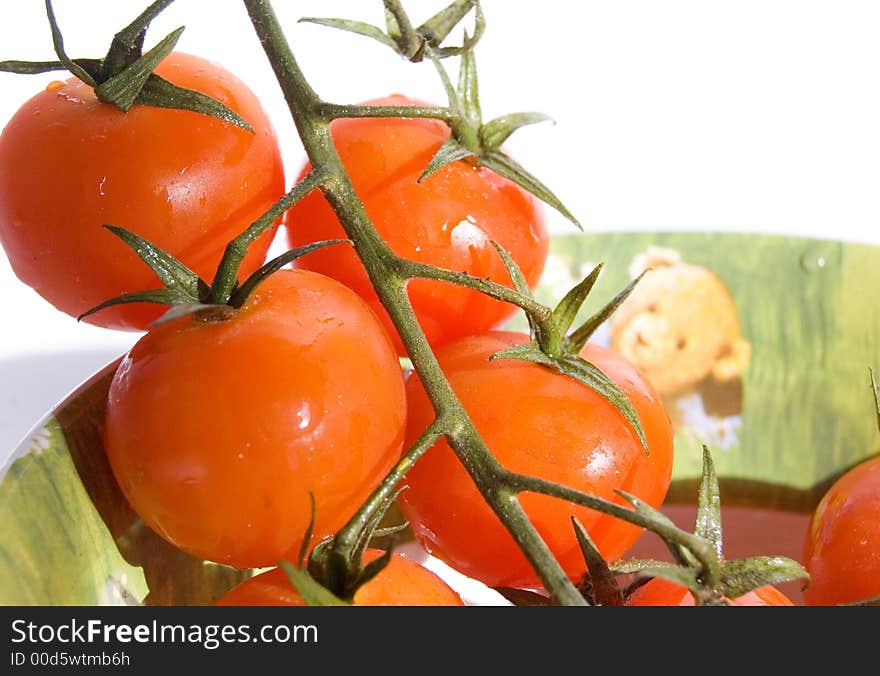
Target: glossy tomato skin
(540,423)
(449,220)
(217,430)
(660,592)
(842,547)
(186,182)
(401,583)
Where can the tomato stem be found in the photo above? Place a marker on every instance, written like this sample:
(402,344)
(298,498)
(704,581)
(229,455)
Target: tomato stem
(333,111)
(388,274)
(415,270)
(227,272)
(340,561)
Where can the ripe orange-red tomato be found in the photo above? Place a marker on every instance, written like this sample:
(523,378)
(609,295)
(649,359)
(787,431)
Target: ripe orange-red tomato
(218,428)
(660,592)
(842,548)
(449,220)
(401,583)
(540,423)
(186,182)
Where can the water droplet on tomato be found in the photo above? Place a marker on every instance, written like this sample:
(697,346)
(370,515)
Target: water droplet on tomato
(54,86)
(101,186)
(304,415)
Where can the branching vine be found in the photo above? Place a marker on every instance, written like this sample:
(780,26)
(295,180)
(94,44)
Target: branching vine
(124,78)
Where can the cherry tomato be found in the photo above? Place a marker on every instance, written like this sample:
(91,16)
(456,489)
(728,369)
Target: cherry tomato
(660,592)
(540,423)
(219,425)
(401,583)
(842,548)
(449,220)
(184,181)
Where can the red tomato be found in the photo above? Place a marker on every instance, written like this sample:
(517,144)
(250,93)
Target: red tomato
(842,548)
(186,182)
(541,423)
(660,592)
(219,425)
(449,220)
(401,583)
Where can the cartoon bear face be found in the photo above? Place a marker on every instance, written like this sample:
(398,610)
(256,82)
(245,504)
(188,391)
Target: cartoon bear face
(680,325)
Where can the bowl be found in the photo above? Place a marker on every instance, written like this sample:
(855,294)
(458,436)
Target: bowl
(781,398)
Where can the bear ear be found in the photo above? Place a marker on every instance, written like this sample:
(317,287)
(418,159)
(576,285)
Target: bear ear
(732,361)
(654,257)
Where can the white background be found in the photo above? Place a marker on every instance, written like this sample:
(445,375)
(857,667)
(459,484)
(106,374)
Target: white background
(753,115)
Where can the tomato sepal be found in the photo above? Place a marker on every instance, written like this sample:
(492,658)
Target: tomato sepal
(180,285)
(451,151)
(91,66)
(164,296)
(599,585)
(362,28)
(497,131)
(312,591)
(124,87)
(410,42)
(579,337)
(240,295)
(524,597)
(708,522)
(741,576)
(185,291)
(170,271)
(124,77)
(550,347)
(505,166)
(722,580)
(338,562)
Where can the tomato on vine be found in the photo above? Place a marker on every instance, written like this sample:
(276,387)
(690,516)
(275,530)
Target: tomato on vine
(541,423)
(842,546)
(449,219)
(220,423)
(187,182)
(400,583)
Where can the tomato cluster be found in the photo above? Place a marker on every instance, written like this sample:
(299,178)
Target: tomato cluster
(244,433)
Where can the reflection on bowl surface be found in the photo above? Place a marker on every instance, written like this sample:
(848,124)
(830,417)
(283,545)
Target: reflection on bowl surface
(33,384)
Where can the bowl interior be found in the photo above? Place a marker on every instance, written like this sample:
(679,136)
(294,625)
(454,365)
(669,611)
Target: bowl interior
(783,419)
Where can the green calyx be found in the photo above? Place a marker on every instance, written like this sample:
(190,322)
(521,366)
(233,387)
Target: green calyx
(553,347)
(720,580)
(471,139)
(412,43)
(339,566)
(481,142)
(699,563)
(599,586)
(186,292)
(310,589)
(125,77)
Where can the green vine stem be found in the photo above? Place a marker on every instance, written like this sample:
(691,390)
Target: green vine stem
(388,274)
